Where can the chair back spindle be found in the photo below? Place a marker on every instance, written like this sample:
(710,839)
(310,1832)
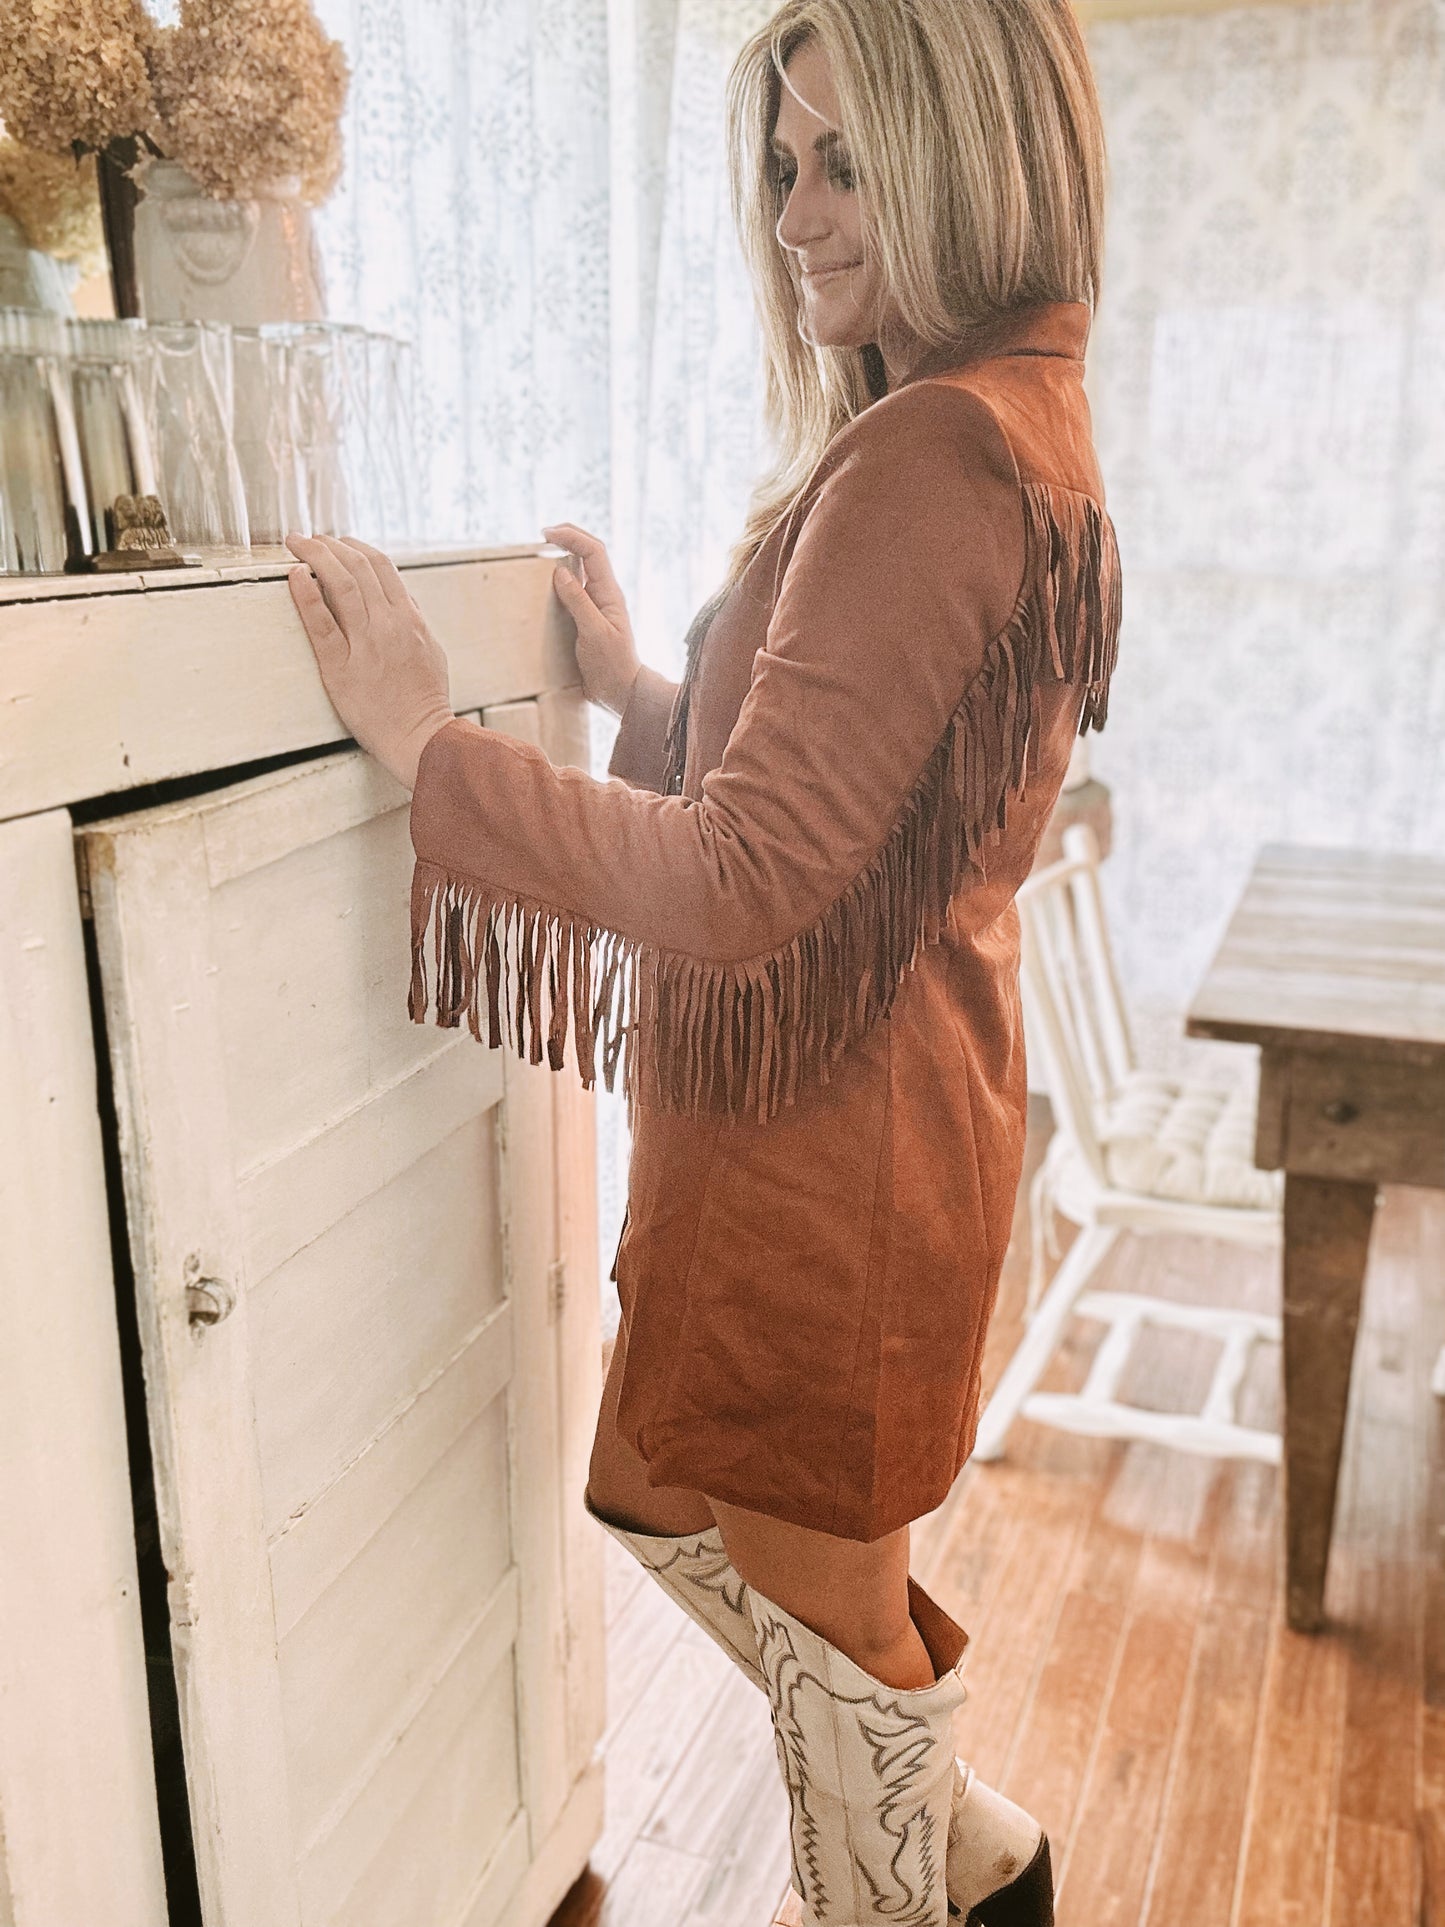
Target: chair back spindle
(1072,988)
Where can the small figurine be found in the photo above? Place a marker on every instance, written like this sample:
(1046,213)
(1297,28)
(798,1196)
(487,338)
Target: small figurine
(140,537)
(139,522)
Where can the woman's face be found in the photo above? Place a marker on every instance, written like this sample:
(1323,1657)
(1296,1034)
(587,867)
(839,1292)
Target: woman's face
(820,223)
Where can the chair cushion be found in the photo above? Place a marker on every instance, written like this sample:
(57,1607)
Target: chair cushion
(1189,1141)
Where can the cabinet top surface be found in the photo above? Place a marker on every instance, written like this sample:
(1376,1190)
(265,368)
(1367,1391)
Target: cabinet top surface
(1340,950)
(111,685)
(262,567)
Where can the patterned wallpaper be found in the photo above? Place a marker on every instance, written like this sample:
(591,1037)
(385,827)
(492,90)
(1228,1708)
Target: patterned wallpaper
(1268,379)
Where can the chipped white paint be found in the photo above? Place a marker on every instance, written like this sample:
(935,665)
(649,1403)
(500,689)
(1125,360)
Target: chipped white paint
(79,1840)
(370,1388)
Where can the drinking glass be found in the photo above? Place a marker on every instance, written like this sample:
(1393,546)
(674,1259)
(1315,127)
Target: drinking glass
(350,346)
(315,382)
(267,442)
(115,446)
(393,439)
(42,481)
(189,394)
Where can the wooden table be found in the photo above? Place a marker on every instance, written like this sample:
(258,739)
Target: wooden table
(1334,964)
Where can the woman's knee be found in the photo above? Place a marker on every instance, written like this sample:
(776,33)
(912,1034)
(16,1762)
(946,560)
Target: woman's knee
(854,1595)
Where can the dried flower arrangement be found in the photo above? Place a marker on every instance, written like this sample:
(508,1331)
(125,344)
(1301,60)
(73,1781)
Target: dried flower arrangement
(54,202)
(75,73)
(241,93)
(249,93)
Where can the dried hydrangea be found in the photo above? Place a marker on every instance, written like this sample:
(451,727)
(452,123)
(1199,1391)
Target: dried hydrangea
(74,71)
(55,202)
(249,93)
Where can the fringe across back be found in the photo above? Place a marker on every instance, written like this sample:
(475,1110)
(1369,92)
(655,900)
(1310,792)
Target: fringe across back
(741,1037)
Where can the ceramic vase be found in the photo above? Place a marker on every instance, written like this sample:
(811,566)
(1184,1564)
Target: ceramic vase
(199,259)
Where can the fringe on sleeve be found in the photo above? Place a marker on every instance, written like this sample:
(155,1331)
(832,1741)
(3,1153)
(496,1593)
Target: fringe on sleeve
(743,1036)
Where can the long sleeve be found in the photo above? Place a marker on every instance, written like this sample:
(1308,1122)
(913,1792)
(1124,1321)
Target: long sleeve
(639,752)
(741,939)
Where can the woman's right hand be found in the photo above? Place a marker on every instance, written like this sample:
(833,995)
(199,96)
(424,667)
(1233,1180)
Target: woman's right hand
(606,653)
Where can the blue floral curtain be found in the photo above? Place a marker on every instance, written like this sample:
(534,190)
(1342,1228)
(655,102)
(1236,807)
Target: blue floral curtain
(472,218)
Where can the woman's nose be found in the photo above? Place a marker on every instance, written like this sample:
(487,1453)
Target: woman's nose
(803,220)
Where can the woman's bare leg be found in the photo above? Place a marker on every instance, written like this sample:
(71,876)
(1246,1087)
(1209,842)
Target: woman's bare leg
(854,1595)
(617,1476)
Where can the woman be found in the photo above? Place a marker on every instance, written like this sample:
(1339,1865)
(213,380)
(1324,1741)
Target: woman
(794,912)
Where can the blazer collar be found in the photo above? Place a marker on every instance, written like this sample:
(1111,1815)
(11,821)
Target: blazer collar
(1042,328)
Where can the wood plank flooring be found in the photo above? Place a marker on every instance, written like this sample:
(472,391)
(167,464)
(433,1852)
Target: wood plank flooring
(1131,1678)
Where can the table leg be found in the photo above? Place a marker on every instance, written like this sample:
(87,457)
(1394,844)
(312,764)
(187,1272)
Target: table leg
(1326,1241)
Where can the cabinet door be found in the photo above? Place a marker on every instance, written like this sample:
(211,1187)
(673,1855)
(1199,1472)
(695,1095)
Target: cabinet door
(345,1233)
(79,1836)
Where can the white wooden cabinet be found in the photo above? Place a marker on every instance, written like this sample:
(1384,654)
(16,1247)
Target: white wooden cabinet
(358,1259)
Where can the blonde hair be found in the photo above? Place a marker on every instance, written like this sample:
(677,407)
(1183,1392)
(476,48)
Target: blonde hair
(974,134)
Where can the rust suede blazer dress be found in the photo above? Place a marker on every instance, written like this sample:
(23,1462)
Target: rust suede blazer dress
(789,912)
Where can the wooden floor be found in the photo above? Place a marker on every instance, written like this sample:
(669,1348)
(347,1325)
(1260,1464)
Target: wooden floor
(1130,1676)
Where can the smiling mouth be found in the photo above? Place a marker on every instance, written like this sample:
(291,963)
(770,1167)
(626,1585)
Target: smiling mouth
(826,274)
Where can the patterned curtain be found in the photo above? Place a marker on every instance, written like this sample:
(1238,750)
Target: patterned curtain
(472,218)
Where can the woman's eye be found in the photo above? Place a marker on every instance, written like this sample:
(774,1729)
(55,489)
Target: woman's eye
(841,175)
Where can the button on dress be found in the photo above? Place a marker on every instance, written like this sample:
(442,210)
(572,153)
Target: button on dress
(788,915)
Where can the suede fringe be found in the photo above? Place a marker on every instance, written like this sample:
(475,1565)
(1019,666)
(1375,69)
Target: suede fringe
(743,1036)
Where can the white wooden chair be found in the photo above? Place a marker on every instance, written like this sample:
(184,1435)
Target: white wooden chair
(1130,1152)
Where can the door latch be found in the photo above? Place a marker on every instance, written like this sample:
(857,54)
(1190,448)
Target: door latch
(208,1301)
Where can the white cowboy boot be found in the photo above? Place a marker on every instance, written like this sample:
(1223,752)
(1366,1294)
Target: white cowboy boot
(869,1770)
(997,1870)
(695,1569)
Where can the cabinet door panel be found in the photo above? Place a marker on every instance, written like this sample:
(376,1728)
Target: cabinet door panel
(387,1296)
(79,1835)
(406,1816)
(393,1619)
(310,947)
(417,1873)
(358,1459)
(295,1197)
(315,1548)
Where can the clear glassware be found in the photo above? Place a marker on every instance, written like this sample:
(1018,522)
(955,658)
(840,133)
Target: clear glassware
(110,419)
(189,393)
(268,444)
(351,347)
(43,513)
(393,440)
(316,383)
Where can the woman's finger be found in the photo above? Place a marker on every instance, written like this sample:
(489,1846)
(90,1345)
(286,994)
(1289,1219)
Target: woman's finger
(602,584)
(358,559)
(338,574)
(388,576)
(591,548)
(328,638)
(573,597)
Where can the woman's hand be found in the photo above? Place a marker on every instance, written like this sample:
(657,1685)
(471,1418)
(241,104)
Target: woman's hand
(384,670)
(606,653)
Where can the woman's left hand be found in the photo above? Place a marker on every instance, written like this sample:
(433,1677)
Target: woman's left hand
(384,670)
